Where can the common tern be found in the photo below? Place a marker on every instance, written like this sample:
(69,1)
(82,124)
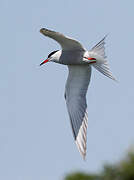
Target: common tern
(79,62)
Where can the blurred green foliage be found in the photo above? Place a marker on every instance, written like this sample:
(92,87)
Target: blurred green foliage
(81,176)
(124,170)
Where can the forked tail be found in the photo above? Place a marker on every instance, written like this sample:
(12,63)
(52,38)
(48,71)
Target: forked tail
(103,67)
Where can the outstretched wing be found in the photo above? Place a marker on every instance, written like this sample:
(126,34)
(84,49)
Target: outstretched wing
(75,95)
(65,42)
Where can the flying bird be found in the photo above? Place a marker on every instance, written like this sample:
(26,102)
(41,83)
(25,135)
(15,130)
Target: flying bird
(79,62)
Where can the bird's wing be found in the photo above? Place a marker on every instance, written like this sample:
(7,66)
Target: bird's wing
(65,42)
(75,95)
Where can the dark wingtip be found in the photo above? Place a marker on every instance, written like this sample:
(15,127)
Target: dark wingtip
(41,30)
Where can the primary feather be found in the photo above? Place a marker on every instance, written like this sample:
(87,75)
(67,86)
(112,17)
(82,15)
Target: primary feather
(75,93)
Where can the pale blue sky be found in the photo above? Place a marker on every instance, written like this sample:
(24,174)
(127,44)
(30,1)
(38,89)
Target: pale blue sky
(36,140)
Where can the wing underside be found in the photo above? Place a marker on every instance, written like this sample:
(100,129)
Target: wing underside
(75,94)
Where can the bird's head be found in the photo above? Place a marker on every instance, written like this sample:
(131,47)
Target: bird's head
(53,56)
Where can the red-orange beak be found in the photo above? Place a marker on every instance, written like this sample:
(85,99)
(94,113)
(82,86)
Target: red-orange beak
(44,62)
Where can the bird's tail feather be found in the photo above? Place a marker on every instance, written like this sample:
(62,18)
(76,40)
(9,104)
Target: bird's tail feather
(103,67)
(99,48)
